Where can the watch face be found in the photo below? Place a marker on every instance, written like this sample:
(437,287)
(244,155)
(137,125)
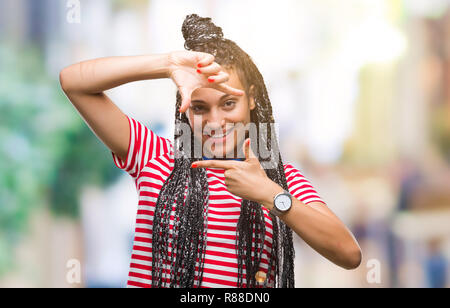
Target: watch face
(283,202)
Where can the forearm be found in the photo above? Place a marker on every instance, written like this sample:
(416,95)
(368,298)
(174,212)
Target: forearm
(324,233)
(98,75)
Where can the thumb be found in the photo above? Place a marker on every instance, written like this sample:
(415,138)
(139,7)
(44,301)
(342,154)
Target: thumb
(248,150)
(185,99)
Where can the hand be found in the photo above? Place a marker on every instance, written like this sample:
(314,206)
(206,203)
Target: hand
(246,179)
(183,66)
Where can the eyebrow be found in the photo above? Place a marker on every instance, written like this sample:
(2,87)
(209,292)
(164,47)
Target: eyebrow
(200,101)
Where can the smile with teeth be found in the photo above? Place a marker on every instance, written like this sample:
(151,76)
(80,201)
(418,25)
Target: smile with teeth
(220,136)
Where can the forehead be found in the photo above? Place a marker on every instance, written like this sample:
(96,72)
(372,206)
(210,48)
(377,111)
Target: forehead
(211,93)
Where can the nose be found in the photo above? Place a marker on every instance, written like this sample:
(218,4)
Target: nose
(214,122)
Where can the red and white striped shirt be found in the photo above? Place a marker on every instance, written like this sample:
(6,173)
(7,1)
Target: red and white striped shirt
(149,161)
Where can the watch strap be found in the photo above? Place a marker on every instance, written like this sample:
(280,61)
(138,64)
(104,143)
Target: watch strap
(275,211)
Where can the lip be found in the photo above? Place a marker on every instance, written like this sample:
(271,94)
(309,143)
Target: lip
(220,139)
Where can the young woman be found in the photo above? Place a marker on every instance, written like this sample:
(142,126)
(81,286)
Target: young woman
(213,217)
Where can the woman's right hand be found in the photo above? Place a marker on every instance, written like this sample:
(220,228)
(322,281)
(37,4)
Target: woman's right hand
(183,66)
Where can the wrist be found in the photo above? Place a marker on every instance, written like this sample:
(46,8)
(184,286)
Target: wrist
(270,190)
(158,66)
(170,63)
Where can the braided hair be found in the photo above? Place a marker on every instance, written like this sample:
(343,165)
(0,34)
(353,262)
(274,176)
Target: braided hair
(178,253)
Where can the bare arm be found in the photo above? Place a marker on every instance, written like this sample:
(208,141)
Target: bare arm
(315,223)
(85,82)
(98,75)
(321,229)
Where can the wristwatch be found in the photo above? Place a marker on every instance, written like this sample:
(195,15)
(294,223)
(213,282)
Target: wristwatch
(282,203)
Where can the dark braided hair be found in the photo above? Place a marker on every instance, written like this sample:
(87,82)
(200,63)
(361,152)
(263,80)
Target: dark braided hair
(179,254)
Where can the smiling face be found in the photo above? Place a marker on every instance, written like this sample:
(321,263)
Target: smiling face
(221,117)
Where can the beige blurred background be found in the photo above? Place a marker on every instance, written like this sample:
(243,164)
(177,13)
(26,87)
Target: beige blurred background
(360,91)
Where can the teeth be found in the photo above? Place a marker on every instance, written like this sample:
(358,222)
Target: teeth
(220,136)
(217,136)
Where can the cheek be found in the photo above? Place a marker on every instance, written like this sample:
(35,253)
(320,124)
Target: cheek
(242,117)
(247,119)
(241,114)
(196,123)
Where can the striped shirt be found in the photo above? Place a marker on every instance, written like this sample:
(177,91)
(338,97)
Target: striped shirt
(149,161)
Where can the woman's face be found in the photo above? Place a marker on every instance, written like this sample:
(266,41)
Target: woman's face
(219,119)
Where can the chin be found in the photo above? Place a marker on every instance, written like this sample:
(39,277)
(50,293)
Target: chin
(219,151)
(226,149)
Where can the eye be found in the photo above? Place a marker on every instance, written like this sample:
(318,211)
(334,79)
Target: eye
(229,104)
(197,109)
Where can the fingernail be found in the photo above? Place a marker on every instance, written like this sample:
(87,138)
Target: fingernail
(211,79)
(199,71)
(199,65)
(194,165)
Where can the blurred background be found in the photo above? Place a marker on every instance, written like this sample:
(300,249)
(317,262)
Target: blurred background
(360,91)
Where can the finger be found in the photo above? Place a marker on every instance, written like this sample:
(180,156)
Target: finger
(211,163)
(204,59)
(220,77)
(211,69)
(185,99)
(218,82)
(229,90)
(248,149)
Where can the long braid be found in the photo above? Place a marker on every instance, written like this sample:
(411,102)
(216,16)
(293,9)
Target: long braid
(183,248)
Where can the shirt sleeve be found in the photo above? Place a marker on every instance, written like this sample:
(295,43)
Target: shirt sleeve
(143,146)
(299,186)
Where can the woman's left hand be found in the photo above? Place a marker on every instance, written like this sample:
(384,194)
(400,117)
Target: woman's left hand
(245,179)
